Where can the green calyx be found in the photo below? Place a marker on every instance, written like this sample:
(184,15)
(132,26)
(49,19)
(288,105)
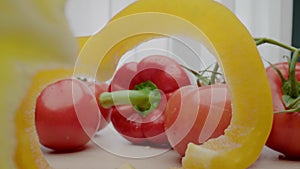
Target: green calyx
(152,101)
(144,98)
(290,86)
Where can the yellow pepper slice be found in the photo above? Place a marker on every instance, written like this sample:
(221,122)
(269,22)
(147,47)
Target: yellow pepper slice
(82,40)
(224,35)
(33,35)
(203,20)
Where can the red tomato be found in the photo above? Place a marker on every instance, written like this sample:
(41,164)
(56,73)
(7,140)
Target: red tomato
(168,76)
(285,133)
(196,114)
(163,71)
(139,130)
(66,115)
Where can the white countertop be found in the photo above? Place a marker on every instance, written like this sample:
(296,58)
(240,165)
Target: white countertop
(108,151)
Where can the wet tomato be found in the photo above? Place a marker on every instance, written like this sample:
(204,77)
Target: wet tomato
(196,114)
(66,115)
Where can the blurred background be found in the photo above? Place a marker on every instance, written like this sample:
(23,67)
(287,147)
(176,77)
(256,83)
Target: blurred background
(276,19)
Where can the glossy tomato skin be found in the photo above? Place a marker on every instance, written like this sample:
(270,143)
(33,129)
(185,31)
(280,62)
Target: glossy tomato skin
(66,115)
(165,73)
(168,76)
(105,113)
(285,133)
(196,114)
(126,124)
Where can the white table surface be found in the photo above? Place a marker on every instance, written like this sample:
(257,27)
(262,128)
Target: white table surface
(108,151)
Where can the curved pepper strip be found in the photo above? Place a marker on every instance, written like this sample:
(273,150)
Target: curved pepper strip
(203,20)
(34,35)
(224,35)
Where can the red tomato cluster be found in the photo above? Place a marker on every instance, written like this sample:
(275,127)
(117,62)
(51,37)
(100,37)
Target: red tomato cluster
(186,113)
(67,111)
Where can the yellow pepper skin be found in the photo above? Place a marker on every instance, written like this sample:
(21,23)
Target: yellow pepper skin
(224,35)
(82,40)
(48,41)
(34,35)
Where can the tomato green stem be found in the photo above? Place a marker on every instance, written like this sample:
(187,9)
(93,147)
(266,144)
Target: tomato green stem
(134,97)
(200,77)
(290,86)
(278,71)
(292,76)
(260,41)
(214,74)
(288,111)
(291,82)
(144,98)
(204,80)
(294,103)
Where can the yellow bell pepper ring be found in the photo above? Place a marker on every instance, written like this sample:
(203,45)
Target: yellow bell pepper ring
(203,20)
(34,35)
(226,37)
